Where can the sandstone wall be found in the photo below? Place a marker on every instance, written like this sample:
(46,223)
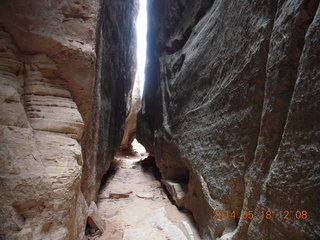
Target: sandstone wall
(65,80)
(115,73)
(230,111)
(131,120)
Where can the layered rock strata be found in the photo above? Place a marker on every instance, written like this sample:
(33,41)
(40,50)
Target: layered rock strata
(230,112)
(41,159)
(65,80)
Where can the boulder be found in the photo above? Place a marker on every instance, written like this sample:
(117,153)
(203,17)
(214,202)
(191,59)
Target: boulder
(94,219)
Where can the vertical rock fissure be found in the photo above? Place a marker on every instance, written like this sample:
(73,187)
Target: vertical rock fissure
(242,224)
(300,37)
(295,65)
(265,153)
(229,117)
(298,40)
(91,135)
(266,50)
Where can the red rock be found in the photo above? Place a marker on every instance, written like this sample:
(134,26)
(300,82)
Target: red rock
(94,219)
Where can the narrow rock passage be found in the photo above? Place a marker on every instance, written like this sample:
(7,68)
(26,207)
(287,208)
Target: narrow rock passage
(135,207)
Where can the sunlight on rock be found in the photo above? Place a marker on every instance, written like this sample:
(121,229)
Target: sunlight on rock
(137,147)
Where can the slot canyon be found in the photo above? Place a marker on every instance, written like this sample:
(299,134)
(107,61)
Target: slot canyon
(229,120)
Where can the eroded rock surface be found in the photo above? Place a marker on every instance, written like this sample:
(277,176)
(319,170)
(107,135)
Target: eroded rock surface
(41,159)
(66,70)
(131,120)
(230,110)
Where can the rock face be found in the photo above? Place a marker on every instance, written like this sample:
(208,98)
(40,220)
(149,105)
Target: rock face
(230,111)
(131,120)
(115,75)
(94,219)
(65,80)
(40,153)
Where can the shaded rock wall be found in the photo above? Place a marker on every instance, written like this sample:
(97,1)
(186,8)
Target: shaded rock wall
(230,112)
(115,75)
(65,80)
(131,120)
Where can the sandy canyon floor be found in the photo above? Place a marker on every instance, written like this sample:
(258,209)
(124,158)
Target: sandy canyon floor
(134,205)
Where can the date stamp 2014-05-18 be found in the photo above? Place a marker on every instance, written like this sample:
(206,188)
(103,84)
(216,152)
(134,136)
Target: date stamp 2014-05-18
(282,214)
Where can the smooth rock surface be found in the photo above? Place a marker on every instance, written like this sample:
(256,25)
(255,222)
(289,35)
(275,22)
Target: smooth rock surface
(230,109)
(157,227)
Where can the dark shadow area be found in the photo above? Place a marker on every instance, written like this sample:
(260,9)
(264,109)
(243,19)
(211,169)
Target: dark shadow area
(91,232)
(107,177)
(149,166)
